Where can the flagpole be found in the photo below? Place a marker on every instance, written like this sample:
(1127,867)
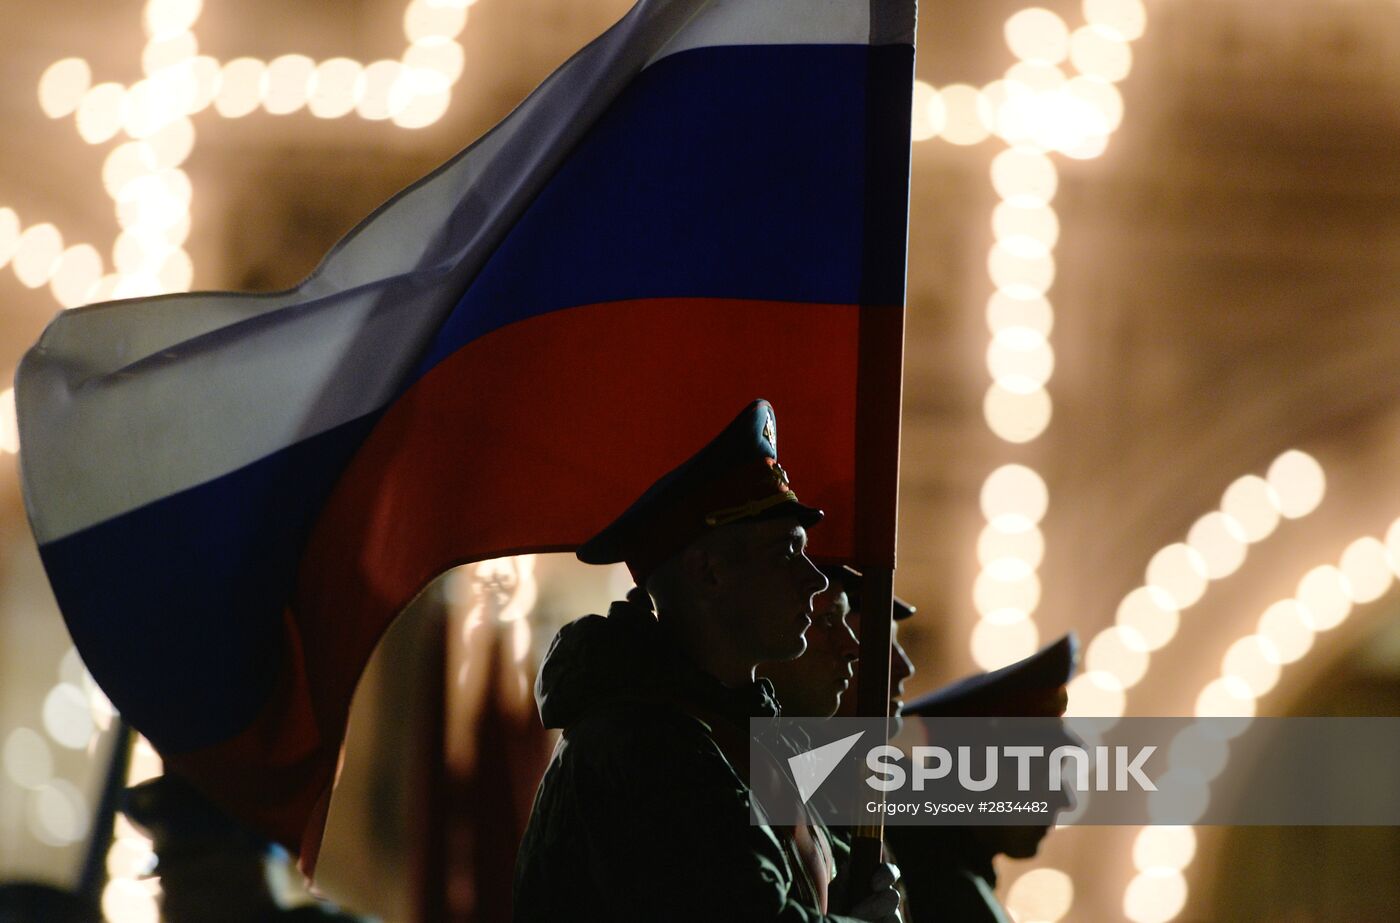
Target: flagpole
(879,394)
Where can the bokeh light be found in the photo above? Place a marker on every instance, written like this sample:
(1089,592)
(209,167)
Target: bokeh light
(1288,630)
(1254,505)
(1014,416)
(1178,571)
(1096,694)
(1220,542)
(1014,498)
(1151,615)
(1036,34)
(1120,651)
(1006,310)
(1042,895)
(1164,847)
(994,644)
(1366,568)
(27,759)
(1155,896)
(37,254)
(62,86)
(1298,482)
(964,122)
(1325,597)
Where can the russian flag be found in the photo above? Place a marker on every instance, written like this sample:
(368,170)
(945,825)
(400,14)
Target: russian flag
(235,494)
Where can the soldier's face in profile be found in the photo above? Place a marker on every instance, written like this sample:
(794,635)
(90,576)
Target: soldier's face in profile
(901,668)
(767,587)
(812,685)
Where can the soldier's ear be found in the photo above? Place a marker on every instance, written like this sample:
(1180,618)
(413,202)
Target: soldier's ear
(703,567)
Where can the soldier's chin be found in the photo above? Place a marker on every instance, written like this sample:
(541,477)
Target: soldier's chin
(1022,842)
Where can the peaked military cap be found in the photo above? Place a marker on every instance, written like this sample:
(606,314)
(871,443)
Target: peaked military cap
(735,478)
(1031,688)
(852,582)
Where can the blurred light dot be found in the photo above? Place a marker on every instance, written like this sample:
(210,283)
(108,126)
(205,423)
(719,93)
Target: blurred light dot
(1253,504)
(423,110)
(37,255)
(1220,541)
(1097,52)
(1200,749)
(176,272)
(1182,797)
(58,814)
(1033,80)
(27,759)
(1227,696)
(1164,847)
(67,718)
(1155,896)
(443,57)
(423,20)
(928,115)
(1043,895)
(9,423)
(1179,571)
(1006,310)
(1087,149)
(965,124)
(130,901)
(1102,98)
(167,52)
(1026,549)
(131,252)
(167,18)
(1152,616)
(127,163)
(1252,660)
(1019,365)
(1325,597)
(380,79)
(1020,274)
(106,288)
(288,83)
(1005,601)
(1127,19)
(173,144)
(137,285)
(1298,482)
(1286,627)
(1014,416)
(207,79)
(154,103)
(1037,34)
(102,112)
(1119,651)
(1014,498)
(62,86)
(1096,694)
(1024,176)
(1367,569)
(241,87)
(1026,230)
(336,88)
(77,272)
(9,234)
(995,645)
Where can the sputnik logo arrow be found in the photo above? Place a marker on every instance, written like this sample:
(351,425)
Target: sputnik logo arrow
(810,769)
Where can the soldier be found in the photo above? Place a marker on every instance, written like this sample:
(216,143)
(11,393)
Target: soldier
(644,811)
(819,683)
(901,667)
(949,875)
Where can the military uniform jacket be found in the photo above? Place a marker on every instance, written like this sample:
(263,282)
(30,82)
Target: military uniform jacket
(947,876)
(640,815)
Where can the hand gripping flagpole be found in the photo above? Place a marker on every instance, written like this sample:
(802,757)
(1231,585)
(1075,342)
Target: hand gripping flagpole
(879,397)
